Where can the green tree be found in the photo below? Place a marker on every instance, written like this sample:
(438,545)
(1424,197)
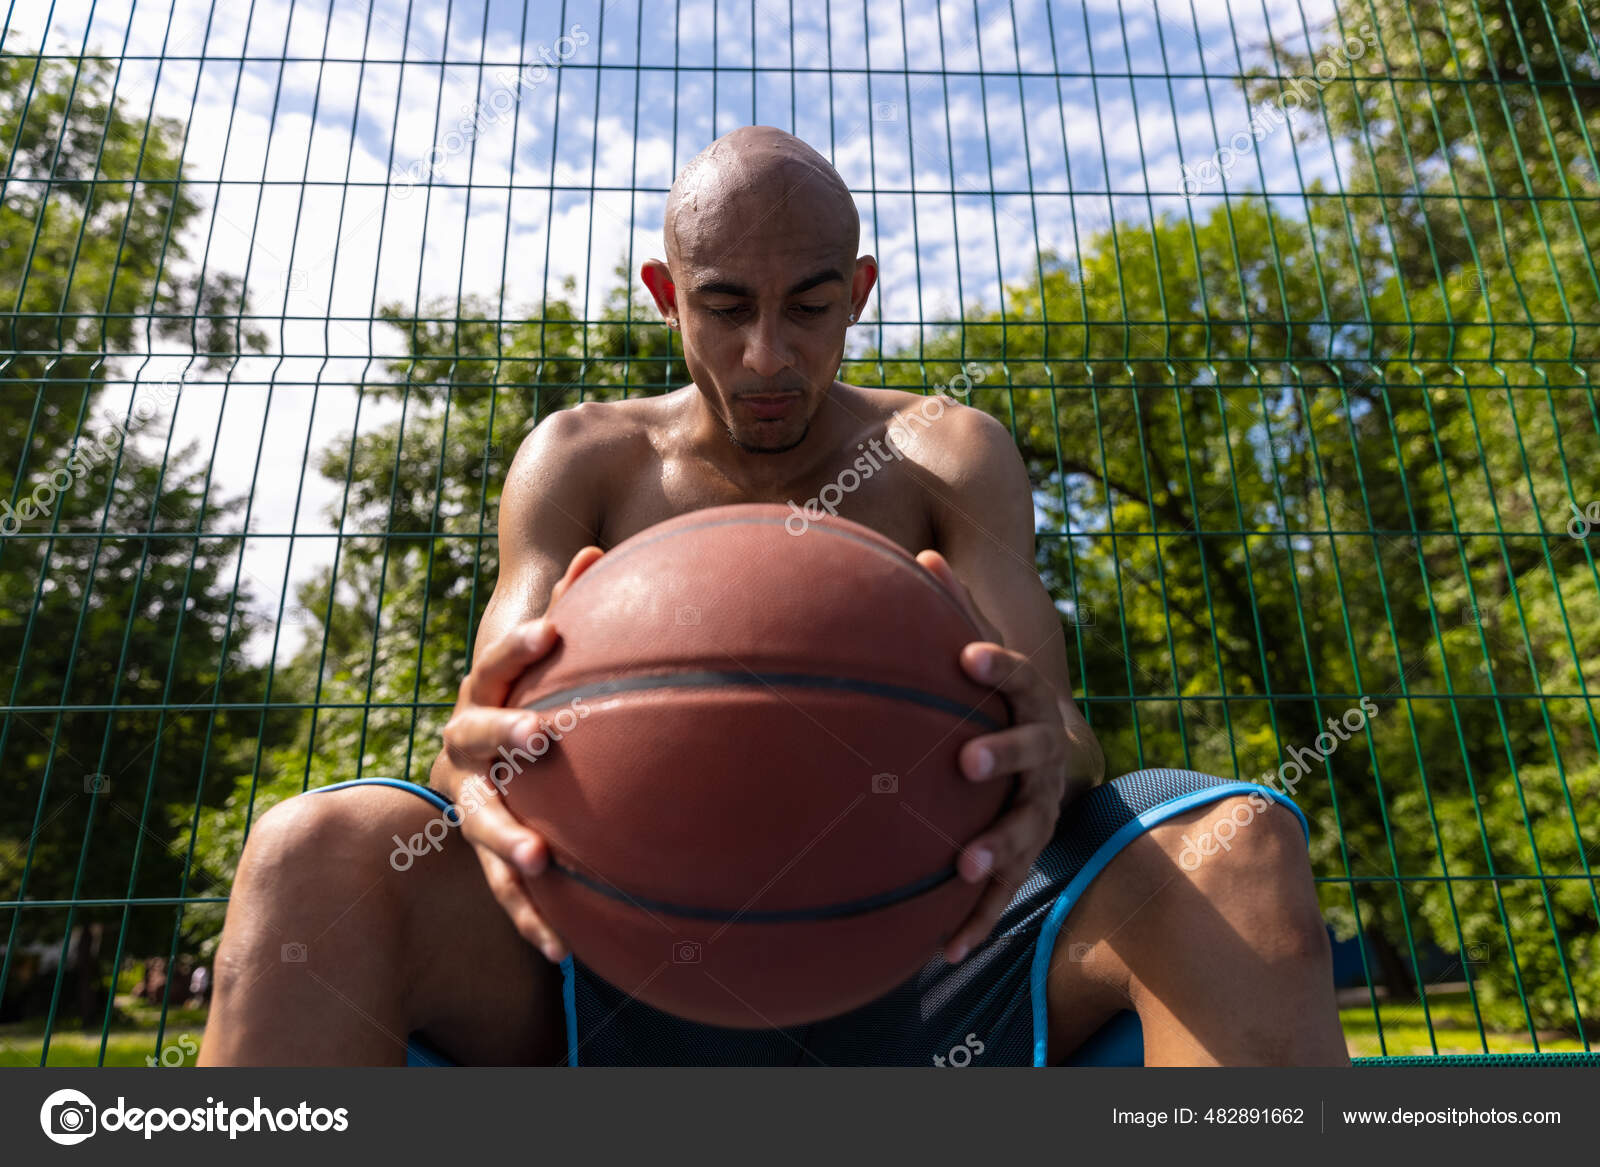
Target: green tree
(1286,453)
(98,804)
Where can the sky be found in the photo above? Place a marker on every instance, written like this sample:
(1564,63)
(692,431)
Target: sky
(324,142)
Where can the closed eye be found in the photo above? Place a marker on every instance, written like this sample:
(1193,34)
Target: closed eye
(803,309)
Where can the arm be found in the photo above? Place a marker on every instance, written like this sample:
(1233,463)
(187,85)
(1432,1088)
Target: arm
(548,524)
(982,506)
(984,529)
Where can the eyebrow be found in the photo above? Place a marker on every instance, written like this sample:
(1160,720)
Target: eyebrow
(727,288)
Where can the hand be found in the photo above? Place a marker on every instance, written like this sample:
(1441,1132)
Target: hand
(480,725)
(1035,748)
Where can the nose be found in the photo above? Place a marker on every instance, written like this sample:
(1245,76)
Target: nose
(765,354)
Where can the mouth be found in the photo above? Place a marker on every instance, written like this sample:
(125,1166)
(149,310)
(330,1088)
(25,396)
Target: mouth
(771,407)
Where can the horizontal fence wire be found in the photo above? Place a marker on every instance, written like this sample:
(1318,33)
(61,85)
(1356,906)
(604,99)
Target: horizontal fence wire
(1290,307)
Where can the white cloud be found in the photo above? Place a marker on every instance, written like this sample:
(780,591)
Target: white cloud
(320,255)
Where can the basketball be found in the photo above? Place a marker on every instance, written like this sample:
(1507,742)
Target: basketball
(748,773)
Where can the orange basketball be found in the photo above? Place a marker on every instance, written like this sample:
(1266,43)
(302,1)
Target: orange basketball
(749,778)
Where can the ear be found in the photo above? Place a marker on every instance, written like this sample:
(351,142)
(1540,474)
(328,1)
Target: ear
(658,279)
(866,275)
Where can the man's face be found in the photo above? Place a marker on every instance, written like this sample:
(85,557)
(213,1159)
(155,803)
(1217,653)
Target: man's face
(763,295)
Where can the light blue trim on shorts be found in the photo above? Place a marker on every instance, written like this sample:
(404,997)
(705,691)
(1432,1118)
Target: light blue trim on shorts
(424,792)
(569,1000)
(1045,945)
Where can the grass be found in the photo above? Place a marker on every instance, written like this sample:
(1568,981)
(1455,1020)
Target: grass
(133,1036)
(125,1047)
(134,1028)
(1405,1031)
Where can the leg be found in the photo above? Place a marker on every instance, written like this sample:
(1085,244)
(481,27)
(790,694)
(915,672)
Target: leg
(330,956)
(1224,956)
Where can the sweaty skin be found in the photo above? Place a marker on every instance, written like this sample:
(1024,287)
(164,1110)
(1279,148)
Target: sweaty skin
(761,278)
(1226,963)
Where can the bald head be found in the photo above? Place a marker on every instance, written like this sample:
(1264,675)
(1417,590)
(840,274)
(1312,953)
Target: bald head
(752,177)
(761,281)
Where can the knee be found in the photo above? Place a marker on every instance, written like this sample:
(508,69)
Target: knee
(297,841)
(315,865)
(312,847)
(1247,857)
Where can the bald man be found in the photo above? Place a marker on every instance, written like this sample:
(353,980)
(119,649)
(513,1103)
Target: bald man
(1111,927)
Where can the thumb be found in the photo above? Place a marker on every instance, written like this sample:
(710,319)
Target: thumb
(939,567)
(581,562)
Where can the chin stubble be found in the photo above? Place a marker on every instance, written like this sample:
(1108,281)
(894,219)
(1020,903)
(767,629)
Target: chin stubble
(768,449)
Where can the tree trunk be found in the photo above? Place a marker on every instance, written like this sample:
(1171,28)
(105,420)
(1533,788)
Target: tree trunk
(1392,967)
(87,974)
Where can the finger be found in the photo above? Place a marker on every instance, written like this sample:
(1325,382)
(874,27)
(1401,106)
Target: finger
(550,943)
(1030,696)
(1035,745)
(586,558)
(940,569)
(493,828)
(497,669)
(980,923)
(511,893)
(479,732)
(1019,835)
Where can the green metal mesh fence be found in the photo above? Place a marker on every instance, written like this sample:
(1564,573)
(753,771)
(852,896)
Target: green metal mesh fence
(1291,307)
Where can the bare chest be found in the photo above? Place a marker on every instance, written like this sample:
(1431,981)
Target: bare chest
(879,493)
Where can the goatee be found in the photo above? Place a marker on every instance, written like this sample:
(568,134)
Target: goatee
(748,449)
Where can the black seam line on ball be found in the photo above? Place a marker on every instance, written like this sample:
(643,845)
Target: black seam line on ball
(715,679)
(857,907)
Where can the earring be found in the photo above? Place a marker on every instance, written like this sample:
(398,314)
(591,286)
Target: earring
(852,318)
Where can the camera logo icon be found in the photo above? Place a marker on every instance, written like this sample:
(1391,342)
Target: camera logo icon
(294,953)
(686,952)
(67,1117)
(688,614)
(885,784)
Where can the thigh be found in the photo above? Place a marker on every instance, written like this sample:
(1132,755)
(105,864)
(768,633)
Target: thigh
(1135,927)
(474,989)
(1222,959)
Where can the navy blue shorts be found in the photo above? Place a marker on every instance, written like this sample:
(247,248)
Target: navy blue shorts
(989,1010)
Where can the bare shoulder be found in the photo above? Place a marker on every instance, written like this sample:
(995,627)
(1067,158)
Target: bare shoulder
(591,428)
(973,477)
(957,444)
(570,460)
